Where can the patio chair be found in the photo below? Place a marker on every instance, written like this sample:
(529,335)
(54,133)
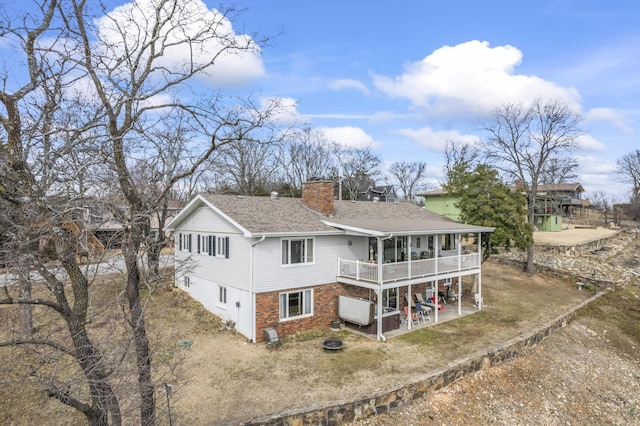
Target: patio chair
(424,312)
(413,317)
(420,298)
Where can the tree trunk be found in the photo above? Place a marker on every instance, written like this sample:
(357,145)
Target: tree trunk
(530,268)
(153,258)
(27,308)
(141,341)
(103,400)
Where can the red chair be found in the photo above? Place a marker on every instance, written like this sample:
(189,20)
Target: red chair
(413,317)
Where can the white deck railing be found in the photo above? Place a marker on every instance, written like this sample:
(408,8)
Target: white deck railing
(399,271)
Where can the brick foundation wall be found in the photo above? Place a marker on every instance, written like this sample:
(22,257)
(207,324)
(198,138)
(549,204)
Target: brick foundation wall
(318,196)
(325,307)
(325,310)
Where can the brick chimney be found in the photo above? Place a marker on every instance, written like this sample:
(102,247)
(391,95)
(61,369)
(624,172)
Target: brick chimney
(318,196)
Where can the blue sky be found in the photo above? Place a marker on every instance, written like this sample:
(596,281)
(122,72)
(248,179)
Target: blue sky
(407,75)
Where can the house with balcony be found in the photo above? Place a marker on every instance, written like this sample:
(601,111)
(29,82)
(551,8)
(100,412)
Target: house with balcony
(294,264)
(552,203)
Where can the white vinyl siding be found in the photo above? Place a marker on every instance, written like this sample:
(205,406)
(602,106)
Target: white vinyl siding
(272,276)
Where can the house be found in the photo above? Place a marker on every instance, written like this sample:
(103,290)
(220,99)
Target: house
(441,202)
(552,202)
(293,264)
(370,192)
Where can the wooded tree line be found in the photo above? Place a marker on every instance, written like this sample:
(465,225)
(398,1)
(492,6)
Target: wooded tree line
(94,109)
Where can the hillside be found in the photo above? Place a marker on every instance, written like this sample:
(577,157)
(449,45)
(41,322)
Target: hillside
(585,374)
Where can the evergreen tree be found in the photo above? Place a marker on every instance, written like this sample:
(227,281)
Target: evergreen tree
(483,199)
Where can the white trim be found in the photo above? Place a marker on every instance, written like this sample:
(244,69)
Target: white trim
(304,315)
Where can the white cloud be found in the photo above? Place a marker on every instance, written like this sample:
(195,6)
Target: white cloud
(596,165)
(349,136)
(471,77)
(284,110)
(598,174)
(349,83)
(437,140)
(191,18)
(587,141)
(618,119)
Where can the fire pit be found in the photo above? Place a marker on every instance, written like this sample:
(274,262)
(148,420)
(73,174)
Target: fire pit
(333,344)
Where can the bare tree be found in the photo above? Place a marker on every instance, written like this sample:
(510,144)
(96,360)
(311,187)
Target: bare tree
(559,170)
(521,140)
(355,166)
(307,154)
(248,166)
(459,157)
(601,201)
(31,189)
(126,64)
(104,134)
(629,172)
(409,176)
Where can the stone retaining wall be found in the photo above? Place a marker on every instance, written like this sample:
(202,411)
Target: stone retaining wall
(601,283)
(574,249)
(381,401)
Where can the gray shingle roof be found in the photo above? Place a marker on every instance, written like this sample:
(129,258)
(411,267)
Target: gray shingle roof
(261,215)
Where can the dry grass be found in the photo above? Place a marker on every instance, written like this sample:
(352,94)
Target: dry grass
(224,378)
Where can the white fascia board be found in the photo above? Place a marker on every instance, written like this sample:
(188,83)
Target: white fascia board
(355,230)
(196,202)
(292,234)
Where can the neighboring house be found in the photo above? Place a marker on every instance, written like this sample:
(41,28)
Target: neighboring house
(567,197)
(552,203)
(555,201)
(439,201)
(294,264)
(173,207)
(369,192)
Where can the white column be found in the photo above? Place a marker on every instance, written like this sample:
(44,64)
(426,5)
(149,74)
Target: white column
(459,294)
(409,255)
(409,321)
(380,282)
(480,269)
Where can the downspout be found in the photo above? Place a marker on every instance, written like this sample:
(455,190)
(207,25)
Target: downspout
(252,288)
(380,283)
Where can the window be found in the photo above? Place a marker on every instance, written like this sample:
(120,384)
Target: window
(390,298)
(222,296)
(211,245)
(297,251)
(185,242)
(223,247)
(448,242)
(187,281)
(296,304)
(204,245)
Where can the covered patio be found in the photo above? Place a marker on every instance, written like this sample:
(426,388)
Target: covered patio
(403,258)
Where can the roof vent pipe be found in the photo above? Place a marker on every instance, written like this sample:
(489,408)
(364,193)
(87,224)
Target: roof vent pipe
(274,195)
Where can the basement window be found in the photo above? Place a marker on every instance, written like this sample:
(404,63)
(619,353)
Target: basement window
(296,304)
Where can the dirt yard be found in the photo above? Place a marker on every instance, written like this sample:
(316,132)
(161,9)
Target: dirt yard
(588,373)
